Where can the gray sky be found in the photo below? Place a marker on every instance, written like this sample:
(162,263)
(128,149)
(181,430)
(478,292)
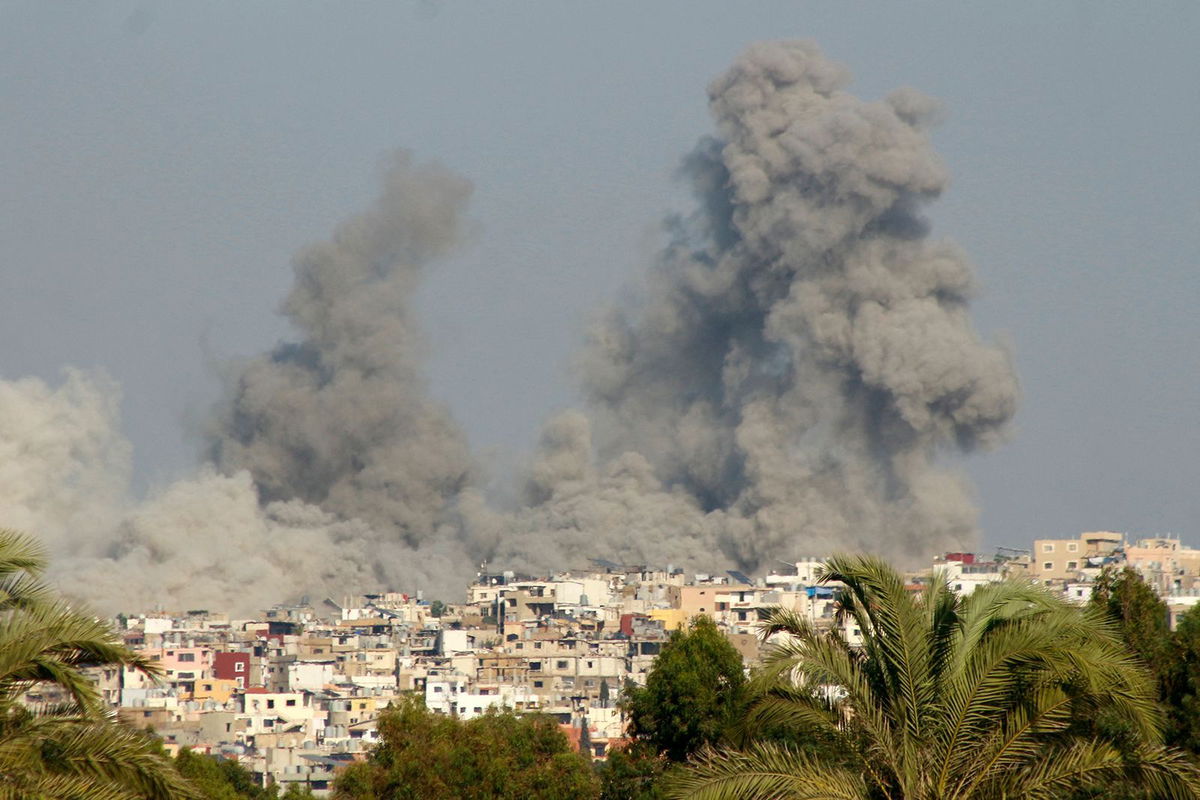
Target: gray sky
(160,164)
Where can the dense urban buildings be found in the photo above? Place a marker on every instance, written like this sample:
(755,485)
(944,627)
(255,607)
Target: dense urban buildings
(294,693)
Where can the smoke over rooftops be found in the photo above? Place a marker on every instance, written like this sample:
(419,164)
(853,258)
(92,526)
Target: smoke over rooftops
(799,356)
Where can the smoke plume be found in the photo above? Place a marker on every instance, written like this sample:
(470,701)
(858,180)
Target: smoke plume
(801,352)
(796,369)
(331,469)
(341,418)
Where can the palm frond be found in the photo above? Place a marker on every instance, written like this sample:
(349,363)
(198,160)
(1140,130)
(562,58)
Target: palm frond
(764,771)
(974,698)
(20,552)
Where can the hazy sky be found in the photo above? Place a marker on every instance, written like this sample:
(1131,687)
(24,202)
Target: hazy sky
(160,164)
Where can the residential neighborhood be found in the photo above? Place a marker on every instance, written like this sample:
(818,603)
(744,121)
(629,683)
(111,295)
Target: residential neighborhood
(294,693)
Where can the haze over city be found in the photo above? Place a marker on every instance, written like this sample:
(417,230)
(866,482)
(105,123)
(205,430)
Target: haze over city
(170,169)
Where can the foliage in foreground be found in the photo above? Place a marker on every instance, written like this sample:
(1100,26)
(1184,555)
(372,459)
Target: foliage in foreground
(950,698)
(693,693)
(74,748)
(692,697)
(499,756)
(215,778)
(1173,657)
(634,772)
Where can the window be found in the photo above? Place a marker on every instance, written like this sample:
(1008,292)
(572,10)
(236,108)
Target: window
(1072,547)
(537,684)
(1072,565)
(187,656)
(268,723)
(291,702)
(1048,566)
(535,666)
(238,666)
(270,704)
(1047,548)
(561,665)
(437,690)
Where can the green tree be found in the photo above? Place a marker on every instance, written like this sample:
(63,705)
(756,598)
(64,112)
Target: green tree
(220,778)
(693,692)
(1182,697)
(1173,658)
(1140,615)
(950,698)
(73,748)
(633,773)
(498,756)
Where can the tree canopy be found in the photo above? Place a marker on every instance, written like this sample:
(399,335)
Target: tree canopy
(693,692)
(1139,614)
(1173,657)
(498,756)
(216,778)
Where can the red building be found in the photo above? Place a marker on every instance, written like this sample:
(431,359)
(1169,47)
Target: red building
(232,667)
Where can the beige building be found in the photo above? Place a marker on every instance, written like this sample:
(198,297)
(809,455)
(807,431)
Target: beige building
(696,599)
(1062,559)
(1165,564)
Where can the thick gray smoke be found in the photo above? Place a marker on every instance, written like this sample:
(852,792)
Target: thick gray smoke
(799,360)
(801,353)
(332,470)
(341,418)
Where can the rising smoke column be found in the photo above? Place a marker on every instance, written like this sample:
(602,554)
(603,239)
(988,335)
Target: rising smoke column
(800,357)
(802,352)
(332,471)
(341,418)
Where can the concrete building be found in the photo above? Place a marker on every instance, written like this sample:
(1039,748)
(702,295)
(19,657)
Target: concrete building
(1058,560)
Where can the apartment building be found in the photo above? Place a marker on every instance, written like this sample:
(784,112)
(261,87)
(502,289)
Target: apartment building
(1060,560)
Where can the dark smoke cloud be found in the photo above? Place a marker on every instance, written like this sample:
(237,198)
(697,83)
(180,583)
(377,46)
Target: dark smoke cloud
(799,359)
(801,352)
(341,418)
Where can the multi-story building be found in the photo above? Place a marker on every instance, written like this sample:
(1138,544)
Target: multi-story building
(1060,560)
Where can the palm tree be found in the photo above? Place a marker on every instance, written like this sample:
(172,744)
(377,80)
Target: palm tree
(984,697)
(74,748)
